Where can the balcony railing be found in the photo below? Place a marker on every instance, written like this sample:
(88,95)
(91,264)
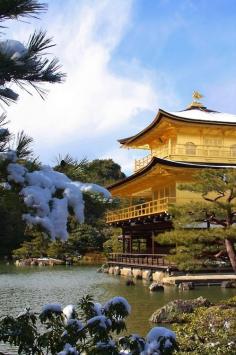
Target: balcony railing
(141,210)
(141,260)
(219,154)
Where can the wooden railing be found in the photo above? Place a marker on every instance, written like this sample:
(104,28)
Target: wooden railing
(220,154)
(144,260)
(140,210)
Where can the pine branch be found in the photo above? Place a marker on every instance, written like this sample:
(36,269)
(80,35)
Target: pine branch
(30,68)
(5,136)
(38,43)
(13,9)
(23,143)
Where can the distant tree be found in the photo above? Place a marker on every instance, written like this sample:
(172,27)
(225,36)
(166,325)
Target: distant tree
(11,225)
(85,238)
(75,169)
(98,171)
(113,245)
(36,245)
(104,171)
(218,189)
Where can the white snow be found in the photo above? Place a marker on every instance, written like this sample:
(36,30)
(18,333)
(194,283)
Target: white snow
(118,300)
(15,50)
(68,350)
(106,346)
(154,338)
(40,190)
(8,155)
(51,307)
(101,321)
(87,187)
(75,199)
(69,311)
(3,131)
(157,332)
(196,114)
(38,198)
(75,323)
(16,173)
(58,216)
(5,186)
(97,307)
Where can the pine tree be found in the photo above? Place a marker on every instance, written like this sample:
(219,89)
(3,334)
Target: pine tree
(193,244)
(25,66)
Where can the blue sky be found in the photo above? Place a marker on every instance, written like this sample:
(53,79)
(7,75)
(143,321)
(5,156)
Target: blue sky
(124,60)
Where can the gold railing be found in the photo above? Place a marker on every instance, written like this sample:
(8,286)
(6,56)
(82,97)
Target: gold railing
(204,151)
(219,154)
(141,210)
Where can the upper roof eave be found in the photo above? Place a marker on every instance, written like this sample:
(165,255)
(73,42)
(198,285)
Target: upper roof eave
(166,162)
(161,113)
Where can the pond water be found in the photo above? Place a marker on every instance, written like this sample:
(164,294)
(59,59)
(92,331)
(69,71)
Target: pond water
(34,286)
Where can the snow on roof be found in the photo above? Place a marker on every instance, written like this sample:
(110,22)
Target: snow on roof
(205,115)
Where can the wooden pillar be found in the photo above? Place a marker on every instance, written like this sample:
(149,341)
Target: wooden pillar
(169,146)
(123,242)
(139,246)
(153,243)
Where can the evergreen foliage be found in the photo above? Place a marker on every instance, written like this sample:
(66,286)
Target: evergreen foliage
(14,9)
(205,230)
(209,330)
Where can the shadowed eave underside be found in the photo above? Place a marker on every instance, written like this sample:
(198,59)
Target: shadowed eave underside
(175,164)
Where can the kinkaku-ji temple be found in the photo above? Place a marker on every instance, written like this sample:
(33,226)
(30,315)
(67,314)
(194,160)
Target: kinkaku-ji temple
(178,145)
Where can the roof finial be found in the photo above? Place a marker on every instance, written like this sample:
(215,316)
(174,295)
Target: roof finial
(196,97)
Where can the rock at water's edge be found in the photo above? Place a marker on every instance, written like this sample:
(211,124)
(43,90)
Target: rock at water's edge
(173,312)
(155,286)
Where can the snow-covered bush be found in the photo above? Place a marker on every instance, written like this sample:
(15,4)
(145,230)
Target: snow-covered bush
(92,329)
(49,195)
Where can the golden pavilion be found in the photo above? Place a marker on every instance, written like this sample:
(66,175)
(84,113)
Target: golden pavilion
(178,144)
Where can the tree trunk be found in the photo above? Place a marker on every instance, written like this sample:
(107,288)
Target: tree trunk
(231,253)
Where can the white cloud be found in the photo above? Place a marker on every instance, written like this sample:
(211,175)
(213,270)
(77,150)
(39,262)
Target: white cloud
(87,113)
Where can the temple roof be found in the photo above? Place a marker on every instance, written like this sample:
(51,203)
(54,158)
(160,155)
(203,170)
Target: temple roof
(199,115)
(175,164)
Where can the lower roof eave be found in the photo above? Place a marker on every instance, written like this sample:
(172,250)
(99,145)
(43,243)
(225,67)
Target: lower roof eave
(178,164)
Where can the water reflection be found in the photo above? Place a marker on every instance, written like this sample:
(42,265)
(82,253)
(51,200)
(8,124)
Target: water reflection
(34,286)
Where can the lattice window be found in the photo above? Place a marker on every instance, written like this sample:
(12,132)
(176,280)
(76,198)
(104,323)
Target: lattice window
(233,150)
(213,141)
(190,148)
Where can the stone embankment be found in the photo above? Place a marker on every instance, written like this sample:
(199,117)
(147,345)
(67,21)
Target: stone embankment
(185,282)
(133,272)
